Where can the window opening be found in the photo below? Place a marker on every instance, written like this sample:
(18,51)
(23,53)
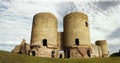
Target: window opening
(76,41)
(86,23)
(44,42)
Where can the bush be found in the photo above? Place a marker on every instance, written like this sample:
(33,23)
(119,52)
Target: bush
(117,54)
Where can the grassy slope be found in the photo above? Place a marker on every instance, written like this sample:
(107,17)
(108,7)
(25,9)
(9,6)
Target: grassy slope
(6,57)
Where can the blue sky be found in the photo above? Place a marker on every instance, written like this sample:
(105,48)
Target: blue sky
(16,19)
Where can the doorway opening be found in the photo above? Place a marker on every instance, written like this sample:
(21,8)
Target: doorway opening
(60,56)
(88,53)
(68,53)
(33,53)
(53,54)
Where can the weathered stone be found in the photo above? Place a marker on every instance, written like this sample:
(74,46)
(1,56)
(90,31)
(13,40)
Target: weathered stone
(23,48)
(16,49)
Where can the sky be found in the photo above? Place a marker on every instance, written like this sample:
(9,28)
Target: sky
(16,18)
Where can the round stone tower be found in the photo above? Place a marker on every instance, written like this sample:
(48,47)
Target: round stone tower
(104,47)
(76,30)
(76,35)
(44,30)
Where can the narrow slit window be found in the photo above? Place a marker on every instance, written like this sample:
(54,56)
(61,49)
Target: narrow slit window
(86,23)
(76,41)
(44,42)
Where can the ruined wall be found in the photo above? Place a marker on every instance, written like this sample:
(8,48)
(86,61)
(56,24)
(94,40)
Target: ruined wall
(104,47)
(76,29)
(78,52)
(96,51)
(44,52)
(23,48)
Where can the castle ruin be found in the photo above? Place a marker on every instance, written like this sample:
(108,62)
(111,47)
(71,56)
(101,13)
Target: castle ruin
(73,42)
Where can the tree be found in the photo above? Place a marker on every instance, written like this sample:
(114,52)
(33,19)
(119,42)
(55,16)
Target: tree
(116,54)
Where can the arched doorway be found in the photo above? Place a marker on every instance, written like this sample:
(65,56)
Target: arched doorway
(68,53)
(60,56)
(88,53)
(33,53)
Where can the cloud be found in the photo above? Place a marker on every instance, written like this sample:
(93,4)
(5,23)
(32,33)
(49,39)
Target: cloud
(6,47)
(62,10)
(115,34)
(105,5)
(114,48)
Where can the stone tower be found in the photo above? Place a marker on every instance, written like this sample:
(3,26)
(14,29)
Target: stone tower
(44,31)
(76,35)
(44,34)
(102,44)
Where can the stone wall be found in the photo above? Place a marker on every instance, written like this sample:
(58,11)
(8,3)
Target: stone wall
(44,52)
(96,51)
(60,40)
(23,48)
(78,52)
(104,47)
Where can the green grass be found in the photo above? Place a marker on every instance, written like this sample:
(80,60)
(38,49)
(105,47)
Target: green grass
(7,57)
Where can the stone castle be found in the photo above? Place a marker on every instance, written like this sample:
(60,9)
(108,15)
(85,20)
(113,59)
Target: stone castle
(74,42)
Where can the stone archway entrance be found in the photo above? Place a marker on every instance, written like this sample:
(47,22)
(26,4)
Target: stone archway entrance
(33,53)
(88,53)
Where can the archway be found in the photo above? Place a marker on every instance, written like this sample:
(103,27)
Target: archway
(33,53)
(60,56)
(68,53)
(88,53)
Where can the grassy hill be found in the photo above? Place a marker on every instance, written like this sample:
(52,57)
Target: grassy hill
(7,57)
